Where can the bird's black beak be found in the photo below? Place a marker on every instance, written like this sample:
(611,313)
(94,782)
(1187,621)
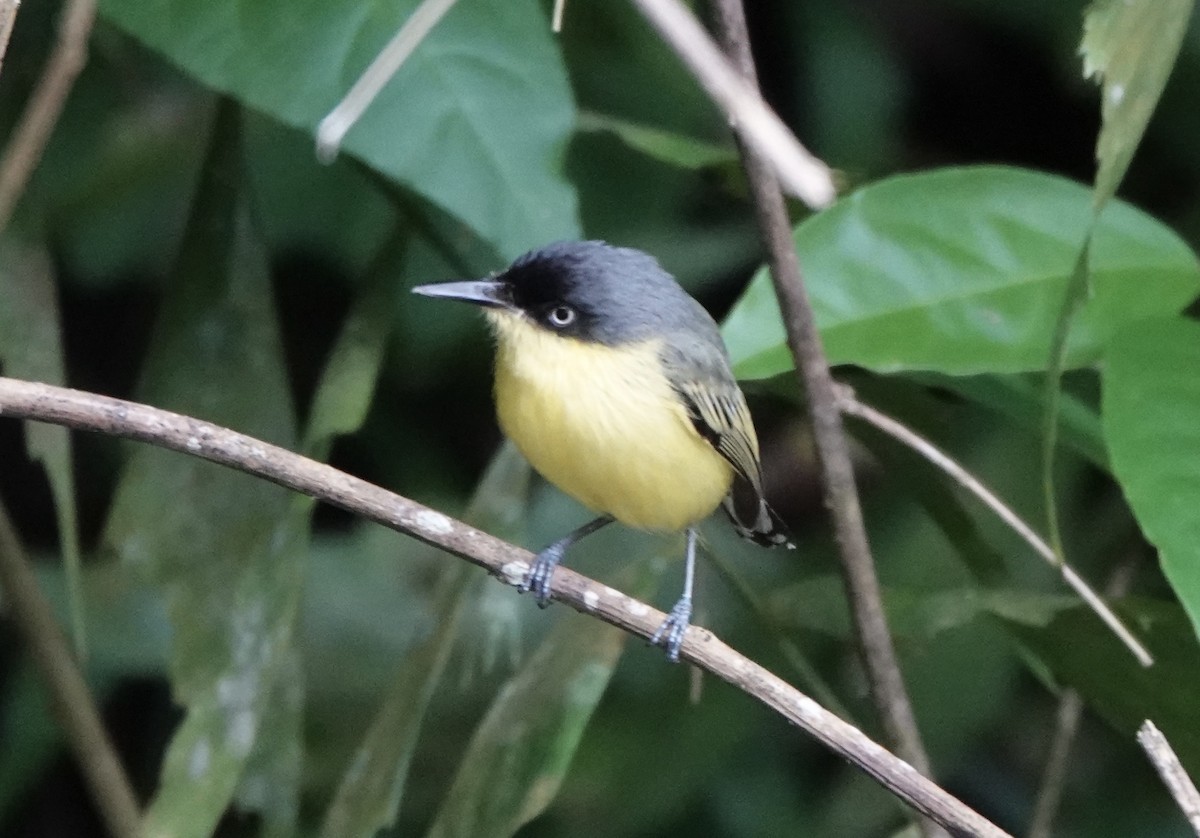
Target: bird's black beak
(492,293)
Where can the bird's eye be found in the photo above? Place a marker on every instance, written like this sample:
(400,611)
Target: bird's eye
(561,316)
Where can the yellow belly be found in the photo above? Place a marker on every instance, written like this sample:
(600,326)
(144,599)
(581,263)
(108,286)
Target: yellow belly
(604,426)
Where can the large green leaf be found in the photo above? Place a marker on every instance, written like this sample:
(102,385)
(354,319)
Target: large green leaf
(476,120)
(1081,654)
(31,347)
(1131,45)
(817,604)
(1151,412)
(31,737)
(223,547)
(963,271)
(660,144)
(369,794)
(522,749)
(1021,399)
(348,380)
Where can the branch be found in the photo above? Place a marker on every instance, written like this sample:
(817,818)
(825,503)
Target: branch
(71,700)
(1066,725)
(45,104)
(798,170)
(114,417)
(837,471)
(1171,770)
(852,406)
(8,19)
(1054,775)
(338,122)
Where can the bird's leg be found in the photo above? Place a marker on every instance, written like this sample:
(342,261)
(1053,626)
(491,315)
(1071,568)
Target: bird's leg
(671,632)
(538,577)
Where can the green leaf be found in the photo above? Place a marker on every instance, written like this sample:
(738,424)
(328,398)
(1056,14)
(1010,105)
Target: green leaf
(817,604)
(665,146)
(935,492)
(348,380)
(520,752)
(224,547)
(31,348)
(1081,654)
(1131,45)
(963,271)
(1021,399)
(32,738)
(270,782)
(334,210)
(370,791)
(476,120)
(1151,410)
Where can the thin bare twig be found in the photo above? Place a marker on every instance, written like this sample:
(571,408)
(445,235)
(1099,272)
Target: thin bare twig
(801,173)
(8,19)
(852,406)
(71,699)
(1066,725)
(45,105)
(338,122)
(556,18)
(1171,770)
(115,417)
(837,471)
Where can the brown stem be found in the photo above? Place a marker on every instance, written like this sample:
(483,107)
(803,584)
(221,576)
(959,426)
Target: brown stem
(1066,725)
(45,104)
(841,494)
(1054,775)
(1172,772)
(87,411)
(802,174)
(851,406)
(8,19)
(71,699)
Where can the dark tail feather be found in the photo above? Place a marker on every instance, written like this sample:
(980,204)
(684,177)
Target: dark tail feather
(753,519)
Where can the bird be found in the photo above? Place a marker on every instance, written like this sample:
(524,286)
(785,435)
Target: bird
(616,386)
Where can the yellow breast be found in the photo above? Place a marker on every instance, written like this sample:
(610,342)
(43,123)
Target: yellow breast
(604,426)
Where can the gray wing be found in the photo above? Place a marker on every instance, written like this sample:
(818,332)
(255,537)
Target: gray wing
(719,414)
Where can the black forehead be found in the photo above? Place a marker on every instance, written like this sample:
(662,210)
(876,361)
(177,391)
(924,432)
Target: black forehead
(581,272)
(621,293)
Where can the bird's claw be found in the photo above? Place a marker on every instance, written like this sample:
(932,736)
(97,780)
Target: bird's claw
(670,633)
(540,572)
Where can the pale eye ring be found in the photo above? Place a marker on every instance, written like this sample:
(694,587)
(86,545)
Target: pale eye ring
(561,316)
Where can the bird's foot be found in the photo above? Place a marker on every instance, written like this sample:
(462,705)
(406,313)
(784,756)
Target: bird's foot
(540,573)
(670,633)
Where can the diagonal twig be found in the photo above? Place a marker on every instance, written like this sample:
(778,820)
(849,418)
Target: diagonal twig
(801,173)
(338,122)
(1171,770)
(71,700)
(841,494)
(1066,725)
(46,103)
(130,420)
(8,19)
(1054,774)
(853,407)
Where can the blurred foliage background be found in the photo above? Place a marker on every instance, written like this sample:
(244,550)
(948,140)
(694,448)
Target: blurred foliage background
(267,667)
